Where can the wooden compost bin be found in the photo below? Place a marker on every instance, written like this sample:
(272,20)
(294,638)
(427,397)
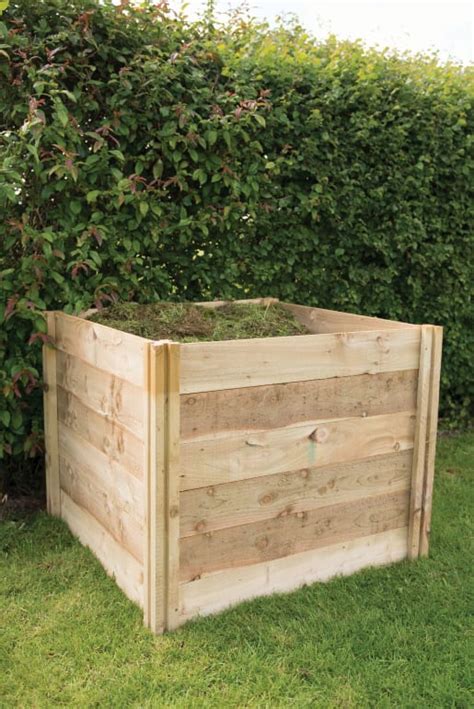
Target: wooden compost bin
(208,473)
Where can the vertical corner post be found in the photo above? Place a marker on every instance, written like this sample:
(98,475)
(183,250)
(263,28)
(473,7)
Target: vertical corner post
(432,430)
(162,494)
(50,407)
(419,451)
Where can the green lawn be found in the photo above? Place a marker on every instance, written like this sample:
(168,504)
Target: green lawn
(398,636)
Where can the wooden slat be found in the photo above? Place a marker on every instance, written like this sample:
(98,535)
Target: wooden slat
(294,533)
(172,451)
(210,508)
(431,440)
(116,442)
(245,301)
(230,457)
(320,320)
(419,451)
(149,539)
(157,491)
(50,407)
(209,366)
(116,502)
(279,405)
(116,352)
(107,395)
(127,571)
(225,588)
(164,486)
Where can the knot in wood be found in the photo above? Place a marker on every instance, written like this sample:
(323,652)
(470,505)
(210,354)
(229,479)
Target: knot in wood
(262,543)
(319,435)
(174,511)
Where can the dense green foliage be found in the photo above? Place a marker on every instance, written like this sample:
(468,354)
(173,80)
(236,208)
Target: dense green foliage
(386,638)
(143,157)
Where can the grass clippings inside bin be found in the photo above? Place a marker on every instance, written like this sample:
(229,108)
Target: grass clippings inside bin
(186,322)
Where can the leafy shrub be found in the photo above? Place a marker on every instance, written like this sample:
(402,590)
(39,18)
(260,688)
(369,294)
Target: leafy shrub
(144,157)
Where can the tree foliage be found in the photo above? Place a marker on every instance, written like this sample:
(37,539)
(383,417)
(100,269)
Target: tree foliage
(145,157)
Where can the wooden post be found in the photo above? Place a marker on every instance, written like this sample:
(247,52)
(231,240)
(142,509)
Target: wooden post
(431,440)
(419,452)
(162,558)
(50,404)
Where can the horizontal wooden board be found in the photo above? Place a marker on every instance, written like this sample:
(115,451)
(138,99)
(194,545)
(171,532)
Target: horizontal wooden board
(222,589)
(237,456)
(107,395)
(209,366)
(127,571)
(117,501)
(291,534)
(278,405)
(116,442)
(116,352)
(320,320)
(210,508)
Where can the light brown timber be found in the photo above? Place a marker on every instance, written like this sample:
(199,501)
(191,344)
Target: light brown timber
(221,589)
(432,425)
(114,351)
(279,405)
(122,566)
(419,452)
(236,456)
(320,320)
(50,408)
(232,504)
(209,366)
(107,395)
(291,534)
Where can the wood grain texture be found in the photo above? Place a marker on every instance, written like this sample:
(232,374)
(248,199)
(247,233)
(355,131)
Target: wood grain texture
(320,320)
(50,409)
(419,451)
(172,462)
(294,533)
(279,405)
(111,439)
(113,351)
(116,502)
(209,366)
(237,456)
(107,395)
(210,508)
(432,428)
(118,563)
(219,590)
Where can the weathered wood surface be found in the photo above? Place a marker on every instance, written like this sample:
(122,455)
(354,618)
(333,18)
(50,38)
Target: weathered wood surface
(419,450)
(297,532)
(104,393)
(431,440)
(232,504)
(116,501)
(231,457)
(50,409)
(164,487)
(279,405)
(209,366)
(116,352)
(320,320)
(111,439)
(221,589)
(122,566)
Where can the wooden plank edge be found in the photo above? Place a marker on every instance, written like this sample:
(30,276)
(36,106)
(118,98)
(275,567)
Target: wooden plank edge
(419,450)
(432,431)
(219,590)
(172,479)
(50,408)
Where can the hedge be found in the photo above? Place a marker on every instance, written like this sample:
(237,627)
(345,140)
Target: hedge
(146,157)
